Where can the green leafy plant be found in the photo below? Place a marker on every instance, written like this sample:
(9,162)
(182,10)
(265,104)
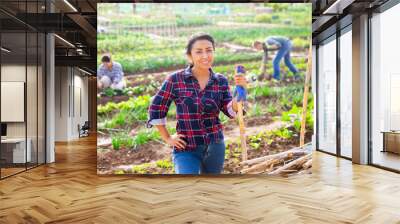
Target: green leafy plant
(116,143)
(227,153)
(120,140)
(285,116)
(297,125)
(255,145)
(144,136)
(119,172)
(271,108)
(283,133)
(108,108)
(131,111)
(256,110)
(109,92)
(263,18)
(141,169)
(166,164)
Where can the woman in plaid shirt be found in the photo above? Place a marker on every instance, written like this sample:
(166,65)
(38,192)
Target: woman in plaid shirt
(199,95)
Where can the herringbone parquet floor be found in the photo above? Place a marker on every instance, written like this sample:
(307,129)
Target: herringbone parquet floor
(69,191)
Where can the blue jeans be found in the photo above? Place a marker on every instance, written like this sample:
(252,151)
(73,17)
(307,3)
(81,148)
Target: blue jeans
(205,159)
(283,52)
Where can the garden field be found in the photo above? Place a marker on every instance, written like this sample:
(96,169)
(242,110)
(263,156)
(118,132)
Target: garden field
(150,48)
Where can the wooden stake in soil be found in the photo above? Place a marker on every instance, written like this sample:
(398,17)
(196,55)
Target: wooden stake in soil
(305,96)
(242,131)
(240,71)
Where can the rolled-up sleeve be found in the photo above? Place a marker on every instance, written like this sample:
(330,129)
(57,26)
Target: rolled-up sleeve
(160,103)
(231,112)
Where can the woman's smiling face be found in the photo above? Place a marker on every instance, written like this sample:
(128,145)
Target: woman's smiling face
(202,54)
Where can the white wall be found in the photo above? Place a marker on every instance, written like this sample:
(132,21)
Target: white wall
(61,103)
(12,73)
(71,94)
(80,102)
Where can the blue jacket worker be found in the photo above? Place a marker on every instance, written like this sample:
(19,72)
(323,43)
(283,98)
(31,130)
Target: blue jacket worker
(284,46)
(110,74)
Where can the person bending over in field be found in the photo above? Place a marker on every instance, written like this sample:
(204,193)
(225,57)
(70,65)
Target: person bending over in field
(110,74)
(200,95)
(284,46)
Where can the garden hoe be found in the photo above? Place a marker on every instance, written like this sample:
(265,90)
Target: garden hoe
(240,92)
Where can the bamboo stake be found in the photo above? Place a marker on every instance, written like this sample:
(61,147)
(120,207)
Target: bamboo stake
(239,70)
(305,96)
(242,131)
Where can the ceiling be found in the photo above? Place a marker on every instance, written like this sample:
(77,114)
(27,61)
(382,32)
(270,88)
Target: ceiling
(74,22)
(328,15)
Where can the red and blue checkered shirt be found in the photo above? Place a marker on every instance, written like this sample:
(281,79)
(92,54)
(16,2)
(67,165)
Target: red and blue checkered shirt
(197,111)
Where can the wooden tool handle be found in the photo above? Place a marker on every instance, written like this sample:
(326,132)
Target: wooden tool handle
(242,131)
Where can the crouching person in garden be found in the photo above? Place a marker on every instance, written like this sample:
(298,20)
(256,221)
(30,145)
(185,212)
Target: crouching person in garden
(200,95)
(110,74)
